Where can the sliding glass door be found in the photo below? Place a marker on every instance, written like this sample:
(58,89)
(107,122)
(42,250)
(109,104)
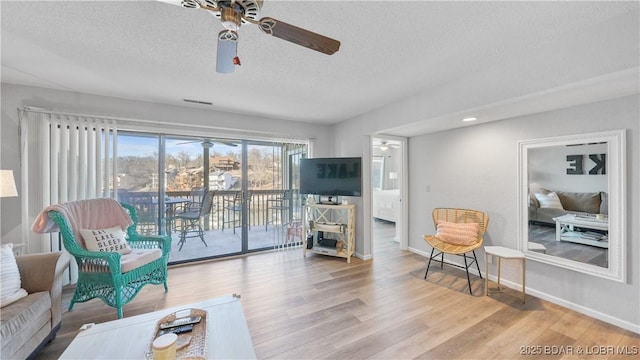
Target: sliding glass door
(255,203)
(264,174)
(193,166)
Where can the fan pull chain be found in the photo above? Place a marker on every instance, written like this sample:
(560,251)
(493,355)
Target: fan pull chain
(236,59)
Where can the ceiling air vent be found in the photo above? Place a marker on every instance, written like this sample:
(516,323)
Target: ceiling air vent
(198,102)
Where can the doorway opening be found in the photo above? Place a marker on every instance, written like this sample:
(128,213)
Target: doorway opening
(387,174)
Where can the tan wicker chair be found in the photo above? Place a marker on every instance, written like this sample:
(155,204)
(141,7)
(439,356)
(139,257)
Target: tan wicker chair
(457,216)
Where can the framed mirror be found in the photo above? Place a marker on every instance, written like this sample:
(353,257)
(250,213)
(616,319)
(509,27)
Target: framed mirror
(571,202)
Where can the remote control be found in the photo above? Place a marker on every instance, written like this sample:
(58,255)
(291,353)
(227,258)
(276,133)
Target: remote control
(177,330)
(180,322)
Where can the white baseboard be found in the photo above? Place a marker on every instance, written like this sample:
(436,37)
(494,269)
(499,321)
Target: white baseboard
(419,252)
(624,324)
(585,310)
(362,257)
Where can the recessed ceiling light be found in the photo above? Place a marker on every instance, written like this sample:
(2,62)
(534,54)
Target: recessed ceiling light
(471,118)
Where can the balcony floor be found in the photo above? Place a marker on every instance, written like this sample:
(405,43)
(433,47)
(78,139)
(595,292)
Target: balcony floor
(220,243)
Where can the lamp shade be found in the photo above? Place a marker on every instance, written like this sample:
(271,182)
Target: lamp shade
(7,184)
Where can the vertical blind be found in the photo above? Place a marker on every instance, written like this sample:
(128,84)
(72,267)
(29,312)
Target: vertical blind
(288,174)
(63,158)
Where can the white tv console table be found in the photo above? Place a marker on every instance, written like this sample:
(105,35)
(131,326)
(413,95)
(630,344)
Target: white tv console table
(338,221)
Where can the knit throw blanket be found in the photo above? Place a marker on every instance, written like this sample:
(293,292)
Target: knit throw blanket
(84,214)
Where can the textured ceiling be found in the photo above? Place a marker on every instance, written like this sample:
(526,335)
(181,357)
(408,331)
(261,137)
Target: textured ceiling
(391,50)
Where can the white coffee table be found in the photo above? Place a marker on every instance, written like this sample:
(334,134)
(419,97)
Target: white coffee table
(565,225)
(129,338)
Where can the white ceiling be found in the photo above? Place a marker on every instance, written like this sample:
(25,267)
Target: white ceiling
(507,58)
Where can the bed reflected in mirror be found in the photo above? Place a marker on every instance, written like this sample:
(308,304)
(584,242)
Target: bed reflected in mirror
(571,204)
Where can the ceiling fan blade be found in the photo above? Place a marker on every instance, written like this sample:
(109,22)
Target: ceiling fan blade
(172,2)
(299,36)
(188,142)
(228,143)
(227,50)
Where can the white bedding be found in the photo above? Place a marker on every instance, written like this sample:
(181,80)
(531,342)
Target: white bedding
(386,204)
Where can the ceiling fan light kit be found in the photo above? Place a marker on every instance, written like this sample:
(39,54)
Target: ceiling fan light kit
(385,145)
(233,13)
(227,49)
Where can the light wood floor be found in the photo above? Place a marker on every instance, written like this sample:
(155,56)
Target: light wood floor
(323,308)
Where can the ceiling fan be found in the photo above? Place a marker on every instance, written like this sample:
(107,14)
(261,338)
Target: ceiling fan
(234,13)
(385,145)
(208,143)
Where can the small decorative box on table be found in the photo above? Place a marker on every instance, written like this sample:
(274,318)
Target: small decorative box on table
(191,344)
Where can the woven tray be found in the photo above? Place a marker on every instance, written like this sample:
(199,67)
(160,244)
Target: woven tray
(197,346)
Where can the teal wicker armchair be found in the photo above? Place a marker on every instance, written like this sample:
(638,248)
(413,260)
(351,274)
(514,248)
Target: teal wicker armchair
(100,273)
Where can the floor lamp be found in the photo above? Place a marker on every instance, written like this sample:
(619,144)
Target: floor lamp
(393,176)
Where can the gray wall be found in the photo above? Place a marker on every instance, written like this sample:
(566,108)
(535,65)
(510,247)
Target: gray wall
(548,165)
(477,167)
(347,143)
(14,96)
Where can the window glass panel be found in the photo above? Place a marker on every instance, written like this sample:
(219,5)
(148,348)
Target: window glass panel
(137,176)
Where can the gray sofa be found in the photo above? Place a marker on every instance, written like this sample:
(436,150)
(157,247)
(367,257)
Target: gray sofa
(31,322)
(572,202)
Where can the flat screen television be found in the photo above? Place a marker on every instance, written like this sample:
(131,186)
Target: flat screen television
(331,176)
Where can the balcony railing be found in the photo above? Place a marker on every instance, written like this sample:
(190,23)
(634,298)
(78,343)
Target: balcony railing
(261,210)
